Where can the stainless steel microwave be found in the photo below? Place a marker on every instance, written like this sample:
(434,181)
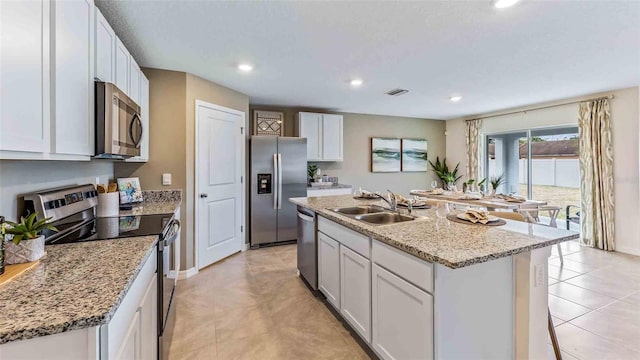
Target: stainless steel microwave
(118,124)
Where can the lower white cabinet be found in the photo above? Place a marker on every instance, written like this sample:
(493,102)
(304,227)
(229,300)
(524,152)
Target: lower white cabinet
(355,291)
(130,347)
(402,317)
(149,322)
(329,269)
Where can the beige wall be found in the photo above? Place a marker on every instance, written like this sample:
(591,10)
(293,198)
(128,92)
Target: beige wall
(625,115)
(20,177)
(358,130)
(172,97)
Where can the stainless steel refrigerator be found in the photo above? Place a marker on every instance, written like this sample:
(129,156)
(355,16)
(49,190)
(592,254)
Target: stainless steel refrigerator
(278,172)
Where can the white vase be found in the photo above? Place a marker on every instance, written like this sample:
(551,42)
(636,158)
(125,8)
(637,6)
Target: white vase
(26,251)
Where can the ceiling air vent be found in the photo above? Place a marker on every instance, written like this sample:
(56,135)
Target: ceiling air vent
(397,92)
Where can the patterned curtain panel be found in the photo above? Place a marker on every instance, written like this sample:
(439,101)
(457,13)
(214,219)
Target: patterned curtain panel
(472,145)
(596,177)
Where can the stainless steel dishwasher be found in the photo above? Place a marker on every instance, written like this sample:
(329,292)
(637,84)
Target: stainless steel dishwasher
(307,247)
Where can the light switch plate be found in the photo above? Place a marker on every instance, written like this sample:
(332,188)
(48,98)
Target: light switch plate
(166,179)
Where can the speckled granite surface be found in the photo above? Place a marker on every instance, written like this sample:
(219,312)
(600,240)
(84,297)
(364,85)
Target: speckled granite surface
(156,202)
(75,286)
(434,238)
(334,186)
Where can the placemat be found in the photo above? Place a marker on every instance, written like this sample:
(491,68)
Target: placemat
(454,218)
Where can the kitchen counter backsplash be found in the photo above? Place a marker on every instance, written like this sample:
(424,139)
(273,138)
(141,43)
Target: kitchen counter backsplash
(161,195)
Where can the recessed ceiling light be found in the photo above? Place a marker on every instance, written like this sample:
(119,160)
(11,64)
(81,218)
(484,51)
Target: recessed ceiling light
(245,67)
(356,82)
(455,98)
(501,4)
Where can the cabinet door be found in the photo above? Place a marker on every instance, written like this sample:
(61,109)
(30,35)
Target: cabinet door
(331,137)
(402,318)
(130,348)
(329,269)
(105,49)
(149,321)
(24,76)
(73,120)
(134,80)
(310,127)
(355,291)
(144,115)
(122,67)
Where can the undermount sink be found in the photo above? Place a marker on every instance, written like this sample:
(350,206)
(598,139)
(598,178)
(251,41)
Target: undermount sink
(358,210)
(384,218)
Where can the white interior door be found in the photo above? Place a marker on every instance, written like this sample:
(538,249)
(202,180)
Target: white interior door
(219,190)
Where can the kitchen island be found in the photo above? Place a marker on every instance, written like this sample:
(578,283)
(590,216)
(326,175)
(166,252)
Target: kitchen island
(433,288)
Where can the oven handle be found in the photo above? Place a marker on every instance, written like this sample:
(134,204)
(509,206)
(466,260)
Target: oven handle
(173,232)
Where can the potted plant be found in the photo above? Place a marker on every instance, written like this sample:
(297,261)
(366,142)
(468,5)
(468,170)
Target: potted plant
(495,182)
(27,243)
(312,172)
(448,177)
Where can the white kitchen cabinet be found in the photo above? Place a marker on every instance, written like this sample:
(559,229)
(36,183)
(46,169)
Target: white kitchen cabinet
(123,66)
(73,115)
(324,133)
(402,317)
(105,49)
(130,347)
(24,76)
(134,80)
(144,115)
(149,322)
(331,137)
(329,269)
(355,291)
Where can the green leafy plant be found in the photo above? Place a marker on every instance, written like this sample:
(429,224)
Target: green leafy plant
(312,171)
(482,182)
(443,173)
(496,181)
(28,228)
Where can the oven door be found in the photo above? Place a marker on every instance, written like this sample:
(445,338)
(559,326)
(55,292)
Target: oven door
(166,298)
(126,125)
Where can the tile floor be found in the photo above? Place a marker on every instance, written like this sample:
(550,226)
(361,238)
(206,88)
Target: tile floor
(595,303)
(253,306)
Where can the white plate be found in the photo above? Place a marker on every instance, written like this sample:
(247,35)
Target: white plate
(491,218)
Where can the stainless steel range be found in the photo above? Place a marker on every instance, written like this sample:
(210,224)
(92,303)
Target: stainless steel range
(72,210)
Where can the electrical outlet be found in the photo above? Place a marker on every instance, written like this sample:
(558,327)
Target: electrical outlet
(166,179)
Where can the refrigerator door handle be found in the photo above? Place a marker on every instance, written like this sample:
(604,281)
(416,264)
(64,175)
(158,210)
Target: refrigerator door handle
(279,181)
(275,181)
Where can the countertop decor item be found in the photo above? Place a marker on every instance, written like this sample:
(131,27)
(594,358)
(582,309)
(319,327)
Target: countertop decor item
(27,243)
(495,182)
(312,172)
(130,190)
(385,155)
(414,155)
(108,200)
(448,177)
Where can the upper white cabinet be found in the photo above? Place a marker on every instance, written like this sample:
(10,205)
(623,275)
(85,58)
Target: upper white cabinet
(144,115)
(134,80)
(123,66)
(105,49)
(73,77)
(324,135)
(24,76)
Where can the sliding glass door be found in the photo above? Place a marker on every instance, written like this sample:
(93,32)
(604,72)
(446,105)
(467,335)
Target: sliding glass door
(541,164)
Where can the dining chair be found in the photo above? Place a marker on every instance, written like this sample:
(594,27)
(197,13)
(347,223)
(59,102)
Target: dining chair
(532,215)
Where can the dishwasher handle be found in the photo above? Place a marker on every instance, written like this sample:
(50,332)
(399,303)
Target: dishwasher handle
(305,217)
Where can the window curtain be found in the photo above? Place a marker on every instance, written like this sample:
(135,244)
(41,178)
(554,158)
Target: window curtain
(472,145)
(596,176)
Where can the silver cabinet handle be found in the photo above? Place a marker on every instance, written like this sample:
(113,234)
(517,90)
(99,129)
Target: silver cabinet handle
(275,181)
(203,195)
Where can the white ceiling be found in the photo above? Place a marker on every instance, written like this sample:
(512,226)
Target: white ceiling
(305,53)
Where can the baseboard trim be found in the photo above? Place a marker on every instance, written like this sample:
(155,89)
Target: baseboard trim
(183,274)
(245,247)
(628,250)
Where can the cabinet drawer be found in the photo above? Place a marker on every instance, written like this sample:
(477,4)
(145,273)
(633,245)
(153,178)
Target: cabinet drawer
(408,267)
(349,238)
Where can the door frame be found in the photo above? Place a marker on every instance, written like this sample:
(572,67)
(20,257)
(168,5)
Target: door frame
(243,115)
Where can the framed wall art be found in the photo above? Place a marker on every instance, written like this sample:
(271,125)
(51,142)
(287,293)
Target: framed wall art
(414,155)
(385,155)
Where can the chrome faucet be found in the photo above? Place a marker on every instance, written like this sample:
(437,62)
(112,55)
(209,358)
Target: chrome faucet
(391,201)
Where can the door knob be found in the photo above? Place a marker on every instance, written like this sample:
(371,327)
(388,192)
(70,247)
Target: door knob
(203,195)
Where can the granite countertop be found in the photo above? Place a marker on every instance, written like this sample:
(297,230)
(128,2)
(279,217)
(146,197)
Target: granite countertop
(435,239)
(75,286)
(156,202)
(333,186)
